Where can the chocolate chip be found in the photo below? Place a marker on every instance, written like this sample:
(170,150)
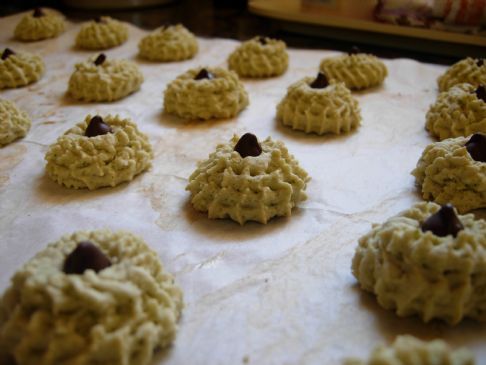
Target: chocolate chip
(204,74)
(262,41)
(443,223)
(97,127)
(38,13)
(99,19)
(354,50)
(320,82)
(476,146)
(480,62)
(84,257)
(7,53)
(100,59)
(248,146)
(481,93)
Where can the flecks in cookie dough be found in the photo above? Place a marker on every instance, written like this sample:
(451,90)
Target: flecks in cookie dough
(99,152)
(102,33)
(248,181)
(14,123)
(408,350)
(19,68)
(357,70)
(259,57)
(96,297)
(459,111)
(451,171)
(469,70)
(313,105)
(205,93)
(39,24)
(102,79)
(426,261)
(168,43)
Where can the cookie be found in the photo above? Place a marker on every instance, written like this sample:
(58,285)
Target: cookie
(102,79)
(168,43)
(259,57)
(19,68)
(246,180)
(314,105)
(205,93)
(409,350)
(14,123)
(448,173)
(459,111)
(99,152)
(102,33)
(96,297)
(39,24)
(357,70)
(426,261)
(469,70)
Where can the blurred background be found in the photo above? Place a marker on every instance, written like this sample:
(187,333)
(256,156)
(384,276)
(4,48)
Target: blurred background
(436,31)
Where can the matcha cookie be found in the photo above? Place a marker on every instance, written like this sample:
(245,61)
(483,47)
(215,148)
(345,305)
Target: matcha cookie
(454,171)
(408,350)
(39,24)
(99,152)
(248,181)
(205,93)
(469,70)
(19,69)
(168,43)
(103,79)
(14,123)
(426,261)
(316,106)
(102,33)
(259,57)
(459,111)
(96,297)
(357,70)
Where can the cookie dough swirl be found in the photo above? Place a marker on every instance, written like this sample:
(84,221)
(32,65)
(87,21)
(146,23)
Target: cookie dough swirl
(20,69)
(110,81)
(457,112)
(358,71)
(469,70)
(328,110)
(221,97)
(408,350)
(14,123)
(418,273)
(446,173)
(102,34)
(117,316)
(34,28)
(259,57)
(165,44)
(251,188)
(77,161)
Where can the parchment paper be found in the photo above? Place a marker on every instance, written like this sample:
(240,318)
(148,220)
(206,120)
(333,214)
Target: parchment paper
(280,293)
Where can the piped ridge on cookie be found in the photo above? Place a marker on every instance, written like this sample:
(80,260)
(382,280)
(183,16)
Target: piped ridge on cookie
(83,160)
(248,180)
(168,43)
(94,313)
(314,105)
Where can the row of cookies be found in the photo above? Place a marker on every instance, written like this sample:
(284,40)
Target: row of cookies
(428,260)
(256,58)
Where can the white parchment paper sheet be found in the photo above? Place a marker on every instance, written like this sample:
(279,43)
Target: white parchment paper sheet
(280,293)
